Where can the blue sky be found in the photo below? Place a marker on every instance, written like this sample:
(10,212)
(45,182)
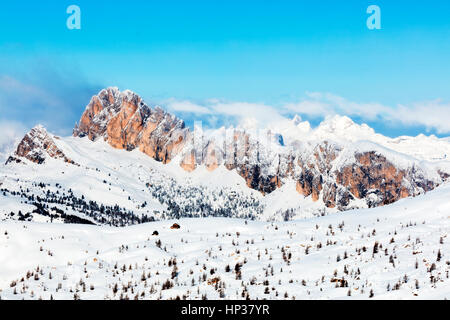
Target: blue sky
(272,54)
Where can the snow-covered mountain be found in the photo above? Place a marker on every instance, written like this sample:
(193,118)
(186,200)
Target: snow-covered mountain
(130,163)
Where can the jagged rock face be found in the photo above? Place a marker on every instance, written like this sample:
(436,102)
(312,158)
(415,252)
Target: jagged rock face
(36,146)
(249,158)
(313,168)
(374,172)
(126,122)
(374,178)
(370,176)
(98,113)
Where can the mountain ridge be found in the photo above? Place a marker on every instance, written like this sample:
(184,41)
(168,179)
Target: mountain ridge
(326,164)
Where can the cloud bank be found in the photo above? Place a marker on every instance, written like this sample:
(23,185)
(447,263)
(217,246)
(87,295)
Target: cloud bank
(432,115)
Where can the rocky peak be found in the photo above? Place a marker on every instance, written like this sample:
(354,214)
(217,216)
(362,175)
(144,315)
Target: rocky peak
(36,146)
(125,121)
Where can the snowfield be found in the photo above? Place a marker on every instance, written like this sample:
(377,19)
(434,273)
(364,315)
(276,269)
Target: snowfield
(400,251)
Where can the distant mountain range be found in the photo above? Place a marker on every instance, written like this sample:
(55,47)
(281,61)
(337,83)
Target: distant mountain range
(128,163)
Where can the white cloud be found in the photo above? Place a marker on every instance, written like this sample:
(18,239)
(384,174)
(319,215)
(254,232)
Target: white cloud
(187,106)
(11,133)
(313,108)
(327,104)
(241,113)
(244,112)
(434,115)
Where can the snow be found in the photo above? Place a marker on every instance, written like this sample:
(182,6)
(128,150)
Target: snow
(87,261)
(343,130)
(287,197)
(305,258)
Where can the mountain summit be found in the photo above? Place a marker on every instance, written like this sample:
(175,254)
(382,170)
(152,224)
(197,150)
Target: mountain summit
(37,146)
(126,122)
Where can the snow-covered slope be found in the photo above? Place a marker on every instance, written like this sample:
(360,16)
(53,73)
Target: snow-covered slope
(117,187)
(399,251)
